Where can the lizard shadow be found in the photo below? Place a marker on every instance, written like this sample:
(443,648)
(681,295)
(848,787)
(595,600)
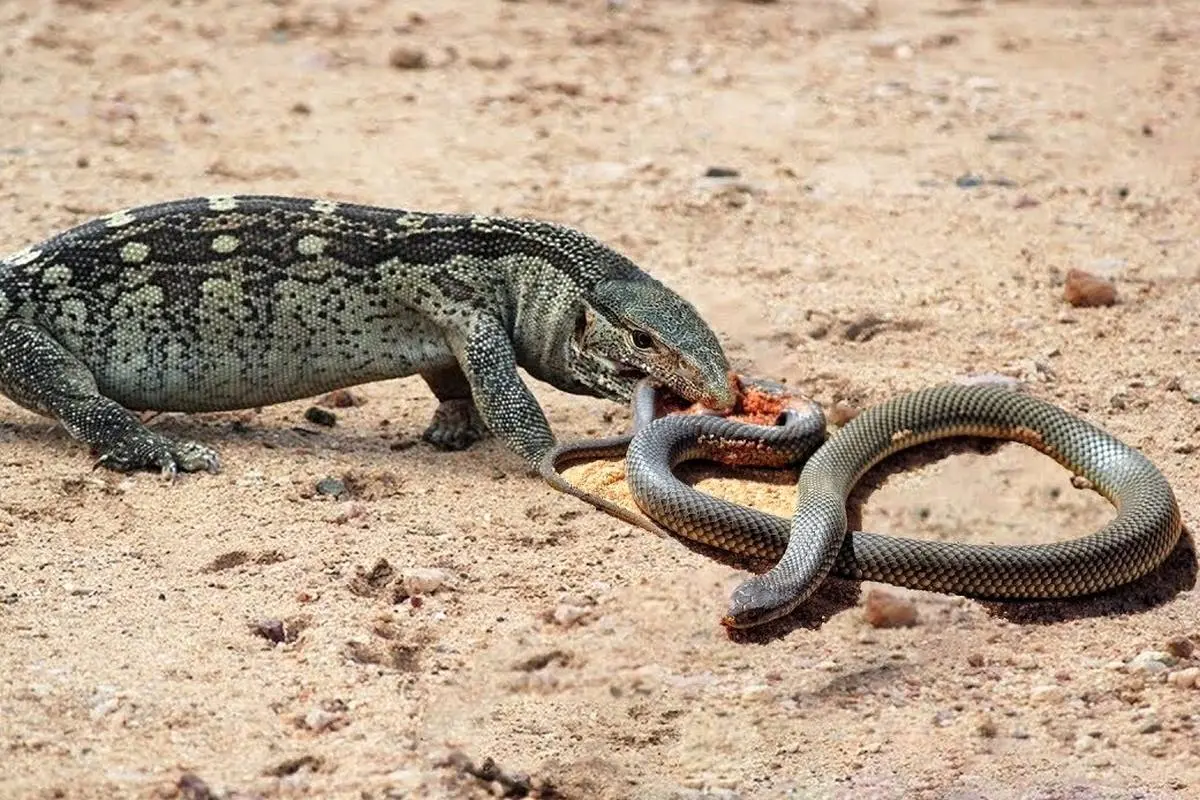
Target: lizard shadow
(222,429)
(1177,573)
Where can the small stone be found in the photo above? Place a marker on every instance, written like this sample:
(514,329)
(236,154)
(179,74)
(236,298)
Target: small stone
(273,630)
(1085,290)
(1047,694)
(346,511)
(331,487)
(886,610)
(990,379)
(1152,661)
(1180,646)
(987,728)
(426,580)
(319,416)
(721,172)
(975,660)
(403,57)
(758,693)
(968,181)
(319,720)
(1185,678)
(343,398)
(568,614)
(840,413)
(494,62)
(886,45)
(1150,725)
(980,83)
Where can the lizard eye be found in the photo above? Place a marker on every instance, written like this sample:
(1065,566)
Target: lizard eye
(642,340)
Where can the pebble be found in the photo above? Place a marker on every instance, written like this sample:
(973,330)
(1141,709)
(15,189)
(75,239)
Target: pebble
(319,416)
(886,610)
(1085,290)
(1150,725)
(840,413)
(568,614)
(1152,661)
(1048,694)
(408,58)
(426,580)
(759,692)
(990,379)
(1185,678)
(343,398)
(1180,646)
(331,487)
(273,630)
(319,720)
(890,45)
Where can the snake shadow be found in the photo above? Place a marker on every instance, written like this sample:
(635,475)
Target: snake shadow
(1177,573)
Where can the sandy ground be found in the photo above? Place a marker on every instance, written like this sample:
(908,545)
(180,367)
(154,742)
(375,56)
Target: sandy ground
(914,181)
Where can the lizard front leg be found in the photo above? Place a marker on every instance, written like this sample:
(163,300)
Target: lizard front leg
(456,424)
(40,374)
(505,403)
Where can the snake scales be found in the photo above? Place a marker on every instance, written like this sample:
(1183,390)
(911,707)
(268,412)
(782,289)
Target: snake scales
(814,543)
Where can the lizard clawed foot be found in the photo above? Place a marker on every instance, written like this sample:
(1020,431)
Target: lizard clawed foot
(149,450)
(456,426)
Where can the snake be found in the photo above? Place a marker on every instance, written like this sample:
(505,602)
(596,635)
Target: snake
(815,542)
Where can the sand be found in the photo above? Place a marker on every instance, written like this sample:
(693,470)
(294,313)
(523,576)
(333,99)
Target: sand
(914,182)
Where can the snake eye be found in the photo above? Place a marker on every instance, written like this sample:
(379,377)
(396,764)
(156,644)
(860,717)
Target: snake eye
(642,340)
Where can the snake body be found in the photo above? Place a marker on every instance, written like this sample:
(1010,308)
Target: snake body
(815,542)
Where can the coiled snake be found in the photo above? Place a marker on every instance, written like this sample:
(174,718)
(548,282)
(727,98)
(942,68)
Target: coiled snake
(815,542)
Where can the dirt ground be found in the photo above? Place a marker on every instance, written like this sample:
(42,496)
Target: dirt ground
(913,182)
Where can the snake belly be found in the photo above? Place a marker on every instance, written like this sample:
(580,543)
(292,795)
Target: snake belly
(815,542)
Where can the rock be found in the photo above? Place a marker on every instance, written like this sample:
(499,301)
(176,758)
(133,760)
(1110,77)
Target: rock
(426,580)
(343,398)
(403,57)
(840,413)
(1152,662)
(273,630)
(318,720)
(319,416)
(1185,678)
(886,610)
(1047,694)
(568,614)
(990,379)
(1180,646)
(331,487)
(1085,290)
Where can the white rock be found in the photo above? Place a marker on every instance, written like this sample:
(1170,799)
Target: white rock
(1185,678)
(1152,661)
(1049,694)
(426,580)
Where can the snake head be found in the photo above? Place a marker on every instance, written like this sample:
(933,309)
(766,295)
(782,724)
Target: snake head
(630,329)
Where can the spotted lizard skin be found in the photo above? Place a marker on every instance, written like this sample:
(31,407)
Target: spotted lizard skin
(233,302)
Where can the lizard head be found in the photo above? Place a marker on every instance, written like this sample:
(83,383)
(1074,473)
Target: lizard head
(631,329)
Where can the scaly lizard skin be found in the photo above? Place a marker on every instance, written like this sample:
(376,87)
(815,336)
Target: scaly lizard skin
(232,302)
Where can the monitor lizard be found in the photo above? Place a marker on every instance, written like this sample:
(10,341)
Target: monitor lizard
(232,302)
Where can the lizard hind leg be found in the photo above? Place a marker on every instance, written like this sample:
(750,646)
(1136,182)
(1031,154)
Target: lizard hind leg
(456,423)
(40,374)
